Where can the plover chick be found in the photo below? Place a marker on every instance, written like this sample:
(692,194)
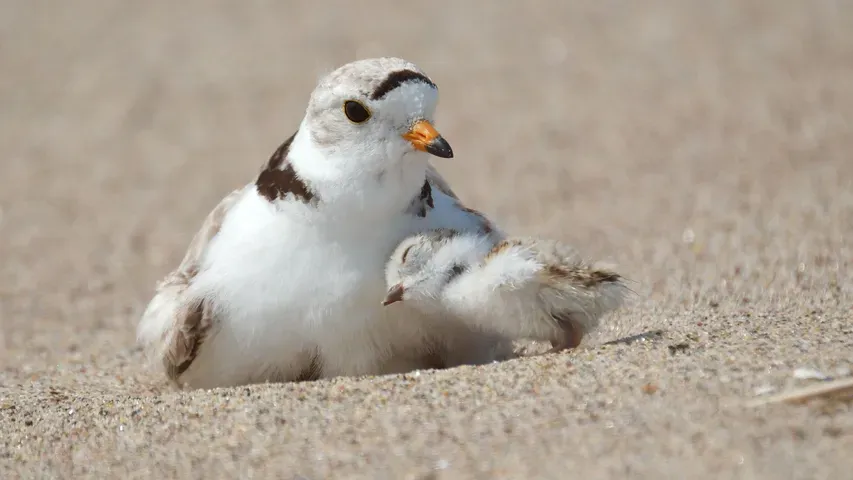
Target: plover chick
(517,287)
(281,281)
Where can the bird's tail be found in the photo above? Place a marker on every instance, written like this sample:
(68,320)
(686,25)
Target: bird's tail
(582,293)
(158,327)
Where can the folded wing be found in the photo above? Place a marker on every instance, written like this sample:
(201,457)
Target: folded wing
(174,325)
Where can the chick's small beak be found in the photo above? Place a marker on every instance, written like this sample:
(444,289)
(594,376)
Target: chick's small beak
(395,294)
(425,137)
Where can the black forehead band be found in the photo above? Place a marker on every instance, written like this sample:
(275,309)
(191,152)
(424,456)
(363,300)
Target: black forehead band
(396,79)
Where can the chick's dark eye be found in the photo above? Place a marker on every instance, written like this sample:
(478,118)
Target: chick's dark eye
(406,253)
(356,112)
(456,271)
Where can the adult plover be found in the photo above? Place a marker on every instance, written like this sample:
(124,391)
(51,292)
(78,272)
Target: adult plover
(282,281)
(516,287)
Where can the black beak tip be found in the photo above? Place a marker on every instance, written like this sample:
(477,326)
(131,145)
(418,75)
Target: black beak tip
(440,148)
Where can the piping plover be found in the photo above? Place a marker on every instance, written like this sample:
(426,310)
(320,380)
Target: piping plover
(516,287)
(282,280)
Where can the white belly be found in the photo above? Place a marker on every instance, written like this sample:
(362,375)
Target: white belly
(283,288)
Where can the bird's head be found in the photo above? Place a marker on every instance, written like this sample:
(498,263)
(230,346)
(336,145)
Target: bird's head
(422,266)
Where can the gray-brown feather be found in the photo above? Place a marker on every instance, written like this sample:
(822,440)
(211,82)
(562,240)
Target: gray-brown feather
(566,274)
(574,293)
(189,321)
(185,344)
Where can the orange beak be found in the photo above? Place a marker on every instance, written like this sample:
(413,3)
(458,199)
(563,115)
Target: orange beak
(425,137)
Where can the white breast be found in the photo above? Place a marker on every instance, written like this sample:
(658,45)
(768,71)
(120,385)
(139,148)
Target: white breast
(283,284)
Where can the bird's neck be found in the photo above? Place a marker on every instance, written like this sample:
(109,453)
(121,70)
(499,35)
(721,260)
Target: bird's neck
(367,188)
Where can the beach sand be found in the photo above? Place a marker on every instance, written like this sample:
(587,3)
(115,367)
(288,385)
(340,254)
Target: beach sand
(702,148)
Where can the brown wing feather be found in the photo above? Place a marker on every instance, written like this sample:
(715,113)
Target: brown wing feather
(173,325)
(438,182)
(187,340)
(208,230)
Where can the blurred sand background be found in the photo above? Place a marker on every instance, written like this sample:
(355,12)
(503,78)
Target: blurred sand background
(705,148)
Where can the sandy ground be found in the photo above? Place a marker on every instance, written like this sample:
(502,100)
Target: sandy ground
(703,147)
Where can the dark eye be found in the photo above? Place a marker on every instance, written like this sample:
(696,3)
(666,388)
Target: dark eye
(406,253)
(456,271)
(356,112)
